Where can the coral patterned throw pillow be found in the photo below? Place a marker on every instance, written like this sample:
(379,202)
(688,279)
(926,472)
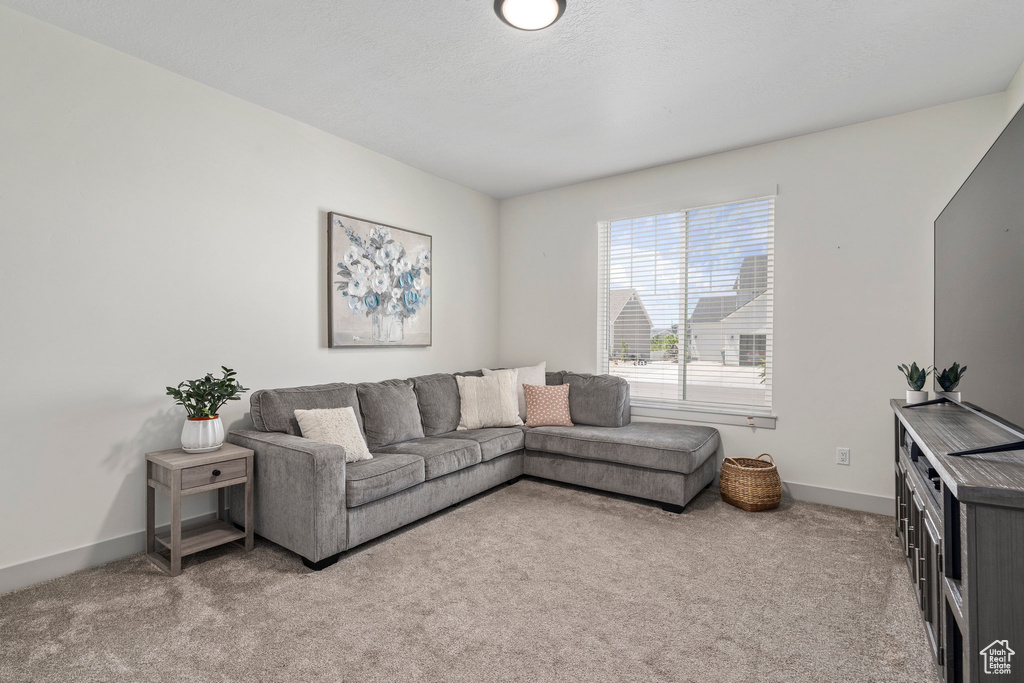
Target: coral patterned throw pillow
(547,406)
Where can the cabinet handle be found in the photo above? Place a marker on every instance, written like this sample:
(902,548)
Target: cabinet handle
(216,473)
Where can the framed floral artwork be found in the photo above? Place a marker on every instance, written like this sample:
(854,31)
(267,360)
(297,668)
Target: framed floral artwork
(379,284)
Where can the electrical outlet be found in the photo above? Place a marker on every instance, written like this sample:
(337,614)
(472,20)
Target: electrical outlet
(842,456)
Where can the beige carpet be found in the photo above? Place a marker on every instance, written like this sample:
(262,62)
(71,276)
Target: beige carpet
(531,582)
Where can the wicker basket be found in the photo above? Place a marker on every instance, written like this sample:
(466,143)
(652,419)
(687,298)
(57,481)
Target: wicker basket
(751,484)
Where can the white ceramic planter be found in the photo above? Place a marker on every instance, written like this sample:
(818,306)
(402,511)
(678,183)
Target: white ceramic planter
(917,396)
(951,395)
(202,434)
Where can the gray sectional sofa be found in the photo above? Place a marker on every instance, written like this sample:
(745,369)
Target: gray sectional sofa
(309,500)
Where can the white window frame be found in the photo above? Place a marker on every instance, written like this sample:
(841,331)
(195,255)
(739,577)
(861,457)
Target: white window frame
(750,416)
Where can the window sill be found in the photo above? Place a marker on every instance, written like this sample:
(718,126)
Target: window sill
(764,421)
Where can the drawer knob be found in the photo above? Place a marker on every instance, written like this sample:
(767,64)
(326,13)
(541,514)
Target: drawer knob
(216,473)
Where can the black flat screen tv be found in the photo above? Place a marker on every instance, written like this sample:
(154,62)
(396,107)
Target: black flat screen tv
(979,280)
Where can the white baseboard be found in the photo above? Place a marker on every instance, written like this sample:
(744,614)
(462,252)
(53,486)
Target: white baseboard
(52,566)
(864,502)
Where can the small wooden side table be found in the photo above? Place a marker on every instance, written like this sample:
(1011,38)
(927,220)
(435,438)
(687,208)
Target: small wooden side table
(178,474)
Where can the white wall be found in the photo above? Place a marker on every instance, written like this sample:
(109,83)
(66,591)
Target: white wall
(152,229)
(853,274)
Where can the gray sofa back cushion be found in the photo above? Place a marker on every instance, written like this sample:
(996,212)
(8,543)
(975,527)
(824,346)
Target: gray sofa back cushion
(598,400)
(553,378)
(273,410)
(390,412)
(438,399)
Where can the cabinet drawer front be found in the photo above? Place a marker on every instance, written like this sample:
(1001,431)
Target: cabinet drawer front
(208,474)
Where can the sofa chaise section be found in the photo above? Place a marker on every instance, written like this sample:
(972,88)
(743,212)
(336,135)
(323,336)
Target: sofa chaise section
(662,462)
(605,450)
(655,446)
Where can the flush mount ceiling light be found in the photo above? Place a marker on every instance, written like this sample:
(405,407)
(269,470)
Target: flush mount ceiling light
(529,15)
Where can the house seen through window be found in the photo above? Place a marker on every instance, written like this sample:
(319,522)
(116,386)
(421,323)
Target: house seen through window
(685,306)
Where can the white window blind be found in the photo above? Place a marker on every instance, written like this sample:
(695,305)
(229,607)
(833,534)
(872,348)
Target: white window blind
(685,306)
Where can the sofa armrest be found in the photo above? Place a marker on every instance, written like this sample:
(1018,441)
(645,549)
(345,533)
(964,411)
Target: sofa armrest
(299,491)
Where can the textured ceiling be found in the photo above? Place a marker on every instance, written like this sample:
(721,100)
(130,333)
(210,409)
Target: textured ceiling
(614,86)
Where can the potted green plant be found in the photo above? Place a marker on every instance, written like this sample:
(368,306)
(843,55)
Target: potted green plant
(202,399)
(916,378)
(949,380)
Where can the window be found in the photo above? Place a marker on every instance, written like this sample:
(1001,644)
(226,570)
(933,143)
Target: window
(752,348)
(685,306)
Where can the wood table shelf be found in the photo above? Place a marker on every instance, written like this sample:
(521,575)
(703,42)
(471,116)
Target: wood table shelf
(177,474)
(202,536)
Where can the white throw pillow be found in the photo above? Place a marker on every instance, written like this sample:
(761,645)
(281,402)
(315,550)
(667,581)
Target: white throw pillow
(533,375)
(489,401)
(337,426)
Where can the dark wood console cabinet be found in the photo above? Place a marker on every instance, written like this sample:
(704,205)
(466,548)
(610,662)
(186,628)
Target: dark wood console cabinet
(960,521)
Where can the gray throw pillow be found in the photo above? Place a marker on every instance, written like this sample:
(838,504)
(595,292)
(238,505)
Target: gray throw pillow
(390,413)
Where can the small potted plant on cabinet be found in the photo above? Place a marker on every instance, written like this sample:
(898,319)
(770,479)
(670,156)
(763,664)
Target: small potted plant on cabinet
(202,399)
(915,380)
(949,380)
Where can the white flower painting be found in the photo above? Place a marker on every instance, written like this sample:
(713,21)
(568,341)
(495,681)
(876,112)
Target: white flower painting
(379,291)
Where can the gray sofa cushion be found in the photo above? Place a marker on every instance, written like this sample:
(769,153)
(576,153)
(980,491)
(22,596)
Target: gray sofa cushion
(273,410)
(553,378)
(494,441)
(440,456)
(384,475)
(438,399)
(390,412)
(598,400)
(673,448)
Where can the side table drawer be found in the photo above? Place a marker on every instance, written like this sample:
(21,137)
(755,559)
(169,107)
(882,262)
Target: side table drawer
(192,477)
